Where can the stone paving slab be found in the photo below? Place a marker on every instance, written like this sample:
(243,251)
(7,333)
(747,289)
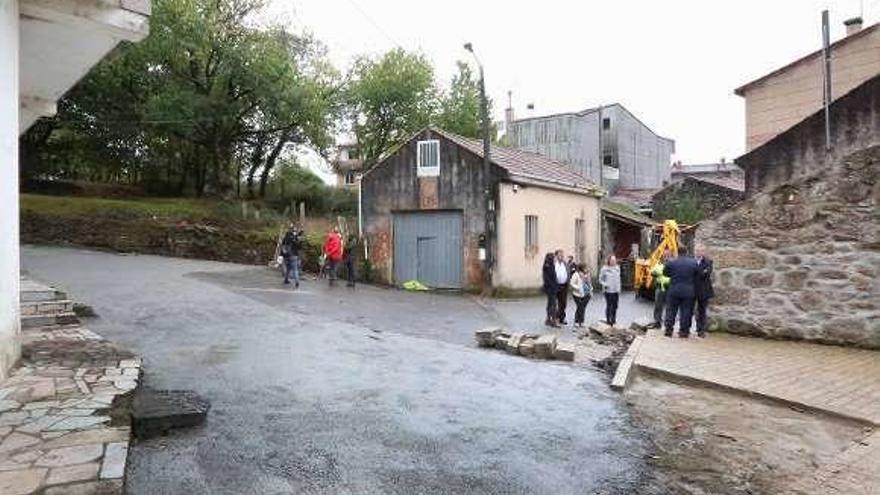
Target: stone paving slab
(843,382)
(57,434)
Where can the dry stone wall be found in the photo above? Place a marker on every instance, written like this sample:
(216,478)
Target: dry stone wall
(802,260)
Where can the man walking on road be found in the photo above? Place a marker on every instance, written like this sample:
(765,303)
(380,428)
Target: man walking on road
(682,272)
(333,251)
(703,290)
(661,284)
(291,246)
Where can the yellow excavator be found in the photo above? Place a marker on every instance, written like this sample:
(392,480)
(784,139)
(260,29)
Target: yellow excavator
(669,239)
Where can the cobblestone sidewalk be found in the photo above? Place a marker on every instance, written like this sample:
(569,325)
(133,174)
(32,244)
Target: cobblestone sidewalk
(64,423)
(844,382)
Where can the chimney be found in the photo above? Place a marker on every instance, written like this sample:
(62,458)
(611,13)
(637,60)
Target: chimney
(509,116)
(853,25)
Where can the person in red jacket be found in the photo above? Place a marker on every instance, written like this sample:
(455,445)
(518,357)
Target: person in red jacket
(333,251)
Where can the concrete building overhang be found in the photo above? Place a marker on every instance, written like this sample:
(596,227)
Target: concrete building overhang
(60,40)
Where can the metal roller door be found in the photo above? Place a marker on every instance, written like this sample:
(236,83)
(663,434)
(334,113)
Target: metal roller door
(428,248)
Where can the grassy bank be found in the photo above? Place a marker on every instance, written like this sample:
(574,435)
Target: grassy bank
(182,227)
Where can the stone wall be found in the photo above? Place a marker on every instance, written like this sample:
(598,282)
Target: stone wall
(707,198)
(802,259)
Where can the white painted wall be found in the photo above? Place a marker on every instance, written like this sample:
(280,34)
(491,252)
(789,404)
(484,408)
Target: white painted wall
(556,212)
(9,275)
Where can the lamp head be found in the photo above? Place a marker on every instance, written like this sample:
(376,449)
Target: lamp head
(469,47)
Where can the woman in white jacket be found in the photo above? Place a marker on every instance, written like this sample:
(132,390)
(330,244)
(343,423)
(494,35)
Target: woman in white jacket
(609,277)
(581,291)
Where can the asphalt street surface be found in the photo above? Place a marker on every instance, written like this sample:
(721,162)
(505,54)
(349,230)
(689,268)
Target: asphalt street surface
(321,390)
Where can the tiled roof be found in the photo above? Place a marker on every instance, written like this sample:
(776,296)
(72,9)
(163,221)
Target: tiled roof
(639,198)
(735,183)
(625,212)
(525,164)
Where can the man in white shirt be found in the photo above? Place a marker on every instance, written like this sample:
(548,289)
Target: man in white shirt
(562,276)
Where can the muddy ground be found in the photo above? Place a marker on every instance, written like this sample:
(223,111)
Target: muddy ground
(716,443)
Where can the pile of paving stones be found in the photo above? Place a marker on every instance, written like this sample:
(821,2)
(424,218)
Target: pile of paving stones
(540,346)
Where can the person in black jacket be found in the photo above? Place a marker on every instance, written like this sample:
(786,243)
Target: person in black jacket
(703,290)
(551,288)
(349,258)
(291,246)
(682,272)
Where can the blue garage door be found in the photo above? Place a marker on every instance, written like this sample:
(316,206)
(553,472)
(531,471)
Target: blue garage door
(428,248)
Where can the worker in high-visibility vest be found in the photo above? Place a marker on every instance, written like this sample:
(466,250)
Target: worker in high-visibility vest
(661,283)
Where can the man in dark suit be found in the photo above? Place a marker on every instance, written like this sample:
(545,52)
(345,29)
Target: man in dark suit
(682,272)
(703,290)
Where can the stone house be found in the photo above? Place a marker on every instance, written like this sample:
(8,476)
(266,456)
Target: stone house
(784,97)
(800,256)
(423,214)
(46,46)
(693,199)
(608,144)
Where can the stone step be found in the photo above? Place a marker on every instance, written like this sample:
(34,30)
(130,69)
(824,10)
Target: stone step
(34,321)
(46,308)
(33,291)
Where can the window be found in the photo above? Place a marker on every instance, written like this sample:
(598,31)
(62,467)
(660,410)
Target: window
(608,160)
(350,177)
(606,123)
(428,158)
(580,240)
(531,235)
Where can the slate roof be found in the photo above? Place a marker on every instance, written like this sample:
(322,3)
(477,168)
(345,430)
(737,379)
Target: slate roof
(735,183)
(637,198)
(625,213)
(525,164)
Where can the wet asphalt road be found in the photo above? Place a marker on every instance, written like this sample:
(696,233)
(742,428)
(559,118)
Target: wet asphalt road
(340,391)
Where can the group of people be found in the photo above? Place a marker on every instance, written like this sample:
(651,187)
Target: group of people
(335,252)
(562,276)
(682,284)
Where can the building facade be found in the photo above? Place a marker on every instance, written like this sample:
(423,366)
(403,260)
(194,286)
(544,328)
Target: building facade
(46,46)
(786,96)
(347,165)
(608,145)
(424,214)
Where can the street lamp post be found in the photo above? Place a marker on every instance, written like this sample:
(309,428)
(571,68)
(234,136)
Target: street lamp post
(487,172)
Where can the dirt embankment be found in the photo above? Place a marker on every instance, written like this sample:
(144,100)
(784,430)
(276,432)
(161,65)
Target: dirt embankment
(180,228)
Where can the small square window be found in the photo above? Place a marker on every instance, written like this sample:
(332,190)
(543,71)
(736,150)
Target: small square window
(606,123)
(608,160)
(428,159)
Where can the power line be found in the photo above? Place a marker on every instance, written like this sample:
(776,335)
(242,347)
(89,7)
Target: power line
(374,23)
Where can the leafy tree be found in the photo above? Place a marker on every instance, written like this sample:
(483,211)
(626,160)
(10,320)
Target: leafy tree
(460,106)
(207,96)
(391,97)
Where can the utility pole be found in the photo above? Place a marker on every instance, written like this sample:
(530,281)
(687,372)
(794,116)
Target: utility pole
(488,184)
(826,55)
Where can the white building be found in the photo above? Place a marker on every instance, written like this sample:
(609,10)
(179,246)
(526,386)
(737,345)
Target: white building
(608,145)
(46,46)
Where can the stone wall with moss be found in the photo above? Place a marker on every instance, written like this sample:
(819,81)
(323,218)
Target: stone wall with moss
(801,260)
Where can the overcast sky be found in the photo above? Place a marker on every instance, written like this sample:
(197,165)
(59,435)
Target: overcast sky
(673,63)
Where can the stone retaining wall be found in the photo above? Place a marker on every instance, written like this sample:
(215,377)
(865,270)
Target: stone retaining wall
(801,260)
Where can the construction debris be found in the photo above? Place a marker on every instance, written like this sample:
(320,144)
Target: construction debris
(544,346)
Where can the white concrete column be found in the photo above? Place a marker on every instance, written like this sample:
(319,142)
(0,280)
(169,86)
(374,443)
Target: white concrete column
(9,257)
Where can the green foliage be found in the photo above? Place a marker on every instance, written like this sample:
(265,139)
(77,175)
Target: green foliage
(293,185)
(392,96)
(686,210)
(460,106)
(206,98)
